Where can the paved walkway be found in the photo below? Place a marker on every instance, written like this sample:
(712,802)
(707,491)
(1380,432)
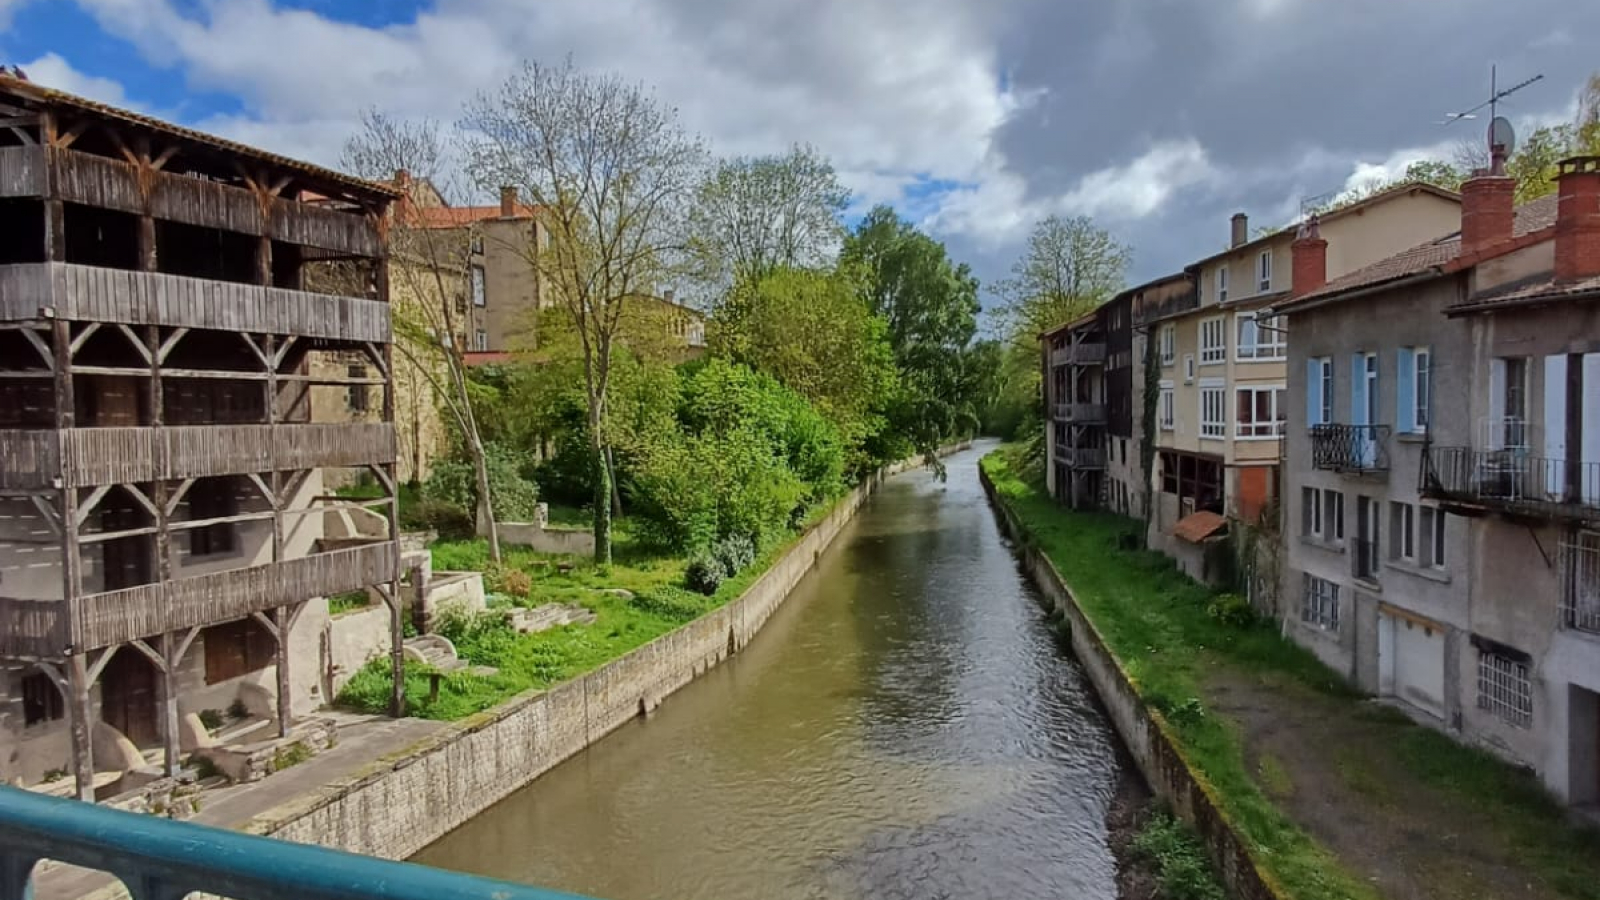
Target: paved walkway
(361,739)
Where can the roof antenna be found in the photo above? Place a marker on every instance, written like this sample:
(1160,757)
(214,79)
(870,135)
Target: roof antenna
(1501,138)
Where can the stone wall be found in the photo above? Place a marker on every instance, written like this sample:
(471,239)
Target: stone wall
(565,541)
(1153,748)
(404,802)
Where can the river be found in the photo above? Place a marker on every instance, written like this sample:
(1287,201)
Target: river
(905,726)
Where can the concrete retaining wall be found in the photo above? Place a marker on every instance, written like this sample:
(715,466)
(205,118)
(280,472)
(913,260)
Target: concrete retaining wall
(404,802)
(1152,747)
(566,541)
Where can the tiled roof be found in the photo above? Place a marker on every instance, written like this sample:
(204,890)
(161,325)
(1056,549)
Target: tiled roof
(1198,526)
(1431,257)
(462,216)
(1542,291)
(37,93)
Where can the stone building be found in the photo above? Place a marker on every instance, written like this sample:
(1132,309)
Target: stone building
(161,450)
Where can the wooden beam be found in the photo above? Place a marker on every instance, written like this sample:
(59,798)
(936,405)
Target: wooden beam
(171,742)
(78,715)
(99,665)
(138,495)
(150,653)
(261,356)
(136,341)
(87,507)
(267,623)
(384,479)
(66,139)
(48,513)
(219,520)
(283,350)
(139,372)
(161,160)
(98,537)
(177,495)
(171,343)
(23,136)
(265,489)
(53,672)
(45,353)
(83,337)
(285,697)
(184,644)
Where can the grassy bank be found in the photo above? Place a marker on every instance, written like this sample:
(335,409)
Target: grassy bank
(638,598)
(1175,638)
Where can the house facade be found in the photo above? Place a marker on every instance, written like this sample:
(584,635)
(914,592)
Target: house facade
(161,451)
(1443,527)
(1223,367)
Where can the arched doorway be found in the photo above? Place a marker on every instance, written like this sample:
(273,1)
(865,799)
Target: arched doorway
(128,697)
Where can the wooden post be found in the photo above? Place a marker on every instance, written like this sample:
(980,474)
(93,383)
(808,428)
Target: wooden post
(78,713)
(169,703)
(397,696)
(282,621)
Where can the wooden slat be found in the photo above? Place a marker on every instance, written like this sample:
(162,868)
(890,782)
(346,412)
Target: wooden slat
(22,171)
(24,292)
(96,456)
(29,460)
(33,627)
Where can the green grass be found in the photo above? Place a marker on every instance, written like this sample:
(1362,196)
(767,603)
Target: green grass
(1155,619)
(525,662)
(570,517)
(1161,626)
(348,601)
(1179,859)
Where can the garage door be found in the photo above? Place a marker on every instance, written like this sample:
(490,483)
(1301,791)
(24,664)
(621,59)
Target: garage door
(1411,659)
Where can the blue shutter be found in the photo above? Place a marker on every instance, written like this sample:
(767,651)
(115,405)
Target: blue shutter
(1358,389)
(1313,392)
(1405,393)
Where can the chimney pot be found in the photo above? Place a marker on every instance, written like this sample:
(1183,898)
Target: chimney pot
(508,202)
(1578,218)
(1309,260)
(1241,229)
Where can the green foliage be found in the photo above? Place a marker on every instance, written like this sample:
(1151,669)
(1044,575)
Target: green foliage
(348,602)
(514,582)
(704,573)
(447,520)
(1232,609)
(1173,849)
(211,719)
(733,553)
(290,755)
(1071,267)
(237,710)
(454,482)
(673,603)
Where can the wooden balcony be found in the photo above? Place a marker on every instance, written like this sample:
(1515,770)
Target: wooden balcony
(83,457)
(1080,413)
(1081,457)
(94,294)
(119,185)
(47,627)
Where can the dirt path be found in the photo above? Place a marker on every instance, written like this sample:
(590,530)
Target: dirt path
(1332,766)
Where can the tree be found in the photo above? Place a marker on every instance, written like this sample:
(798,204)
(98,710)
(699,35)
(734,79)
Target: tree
(611,172)
(427,273)
(931,307)
(754,214)
(814,333)
(1071,266)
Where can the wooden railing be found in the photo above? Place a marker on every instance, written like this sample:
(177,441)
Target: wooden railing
(114,617)
(82,457)
(1081,457)
(94,294)
(32,627)
(22,171)
(1081,413)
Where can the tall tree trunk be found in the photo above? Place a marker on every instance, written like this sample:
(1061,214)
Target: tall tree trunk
(602,506)
(485,512)
(616,490)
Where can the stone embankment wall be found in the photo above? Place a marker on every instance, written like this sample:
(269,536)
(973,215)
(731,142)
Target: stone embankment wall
(1152,746)
(406,801)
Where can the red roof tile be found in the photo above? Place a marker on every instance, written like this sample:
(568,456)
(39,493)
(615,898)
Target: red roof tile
(1544,290)
(462,216)
(1196,527)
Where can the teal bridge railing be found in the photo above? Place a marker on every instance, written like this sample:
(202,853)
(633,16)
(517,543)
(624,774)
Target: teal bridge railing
(164,859)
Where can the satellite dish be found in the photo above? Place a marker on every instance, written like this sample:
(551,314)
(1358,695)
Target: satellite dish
(1502,135)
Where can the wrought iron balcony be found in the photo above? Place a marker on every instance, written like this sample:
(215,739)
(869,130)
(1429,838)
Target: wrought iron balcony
(1081,457)
(1081,413)
(159,858)
(1360,449)
(1512,480)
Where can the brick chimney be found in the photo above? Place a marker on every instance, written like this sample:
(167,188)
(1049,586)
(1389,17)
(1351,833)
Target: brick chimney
(1487,204)
(1310,259)
(508,202)
(1578,218)
(1241,229)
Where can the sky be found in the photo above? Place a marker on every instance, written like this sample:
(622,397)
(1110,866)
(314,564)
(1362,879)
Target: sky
(974,118)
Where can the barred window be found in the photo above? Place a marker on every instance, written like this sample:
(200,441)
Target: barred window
(1319,604)
(1504,688)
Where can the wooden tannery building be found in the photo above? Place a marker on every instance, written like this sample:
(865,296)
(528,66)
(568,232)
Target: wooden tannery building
(162,550)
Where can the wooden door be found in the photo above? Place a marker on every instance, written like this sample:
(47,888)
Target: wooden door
(129,697)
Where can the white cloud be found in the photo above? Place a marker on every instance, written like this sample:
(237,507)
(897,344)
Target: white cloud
(1140,187)
(52,71)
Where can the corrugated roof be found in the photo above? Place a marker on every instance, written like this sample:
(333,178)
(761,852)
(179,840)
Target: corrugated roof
(1196,527)
(33,92)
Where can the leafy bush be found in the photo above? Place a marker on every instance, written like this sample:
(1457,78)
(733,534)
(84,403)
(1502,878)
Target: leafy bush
(1232,609)
(1179,859)
(734,553)
(211,719)
(456,483)
(670,602)
(704,573)
(450,522)
(693,490)
(515,582)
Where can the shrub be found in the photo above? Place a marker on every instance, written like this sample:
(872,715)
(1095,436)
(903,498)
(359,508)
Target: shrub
(1179,859)
(734,553)
(704,573)
(1232,610)
(670,602)
(211,719)
(515,582)
(450,522)
(455,482)
(237,710)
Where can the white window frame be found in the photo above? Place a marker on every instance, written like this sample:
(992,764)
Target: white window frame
(1188,368)
(1403,531)
(1580,582)
(1264,272)
(1333,506)
(1422,391)
(1280,412)
(1166,407)
(1505,689)
(1311,516)
(1222,283)
(1212,353)
(480,341)
(1319,602)
(1268,341)
(479,297)
(1167,338)
(1431,537)
(1213,420)
(1325,374)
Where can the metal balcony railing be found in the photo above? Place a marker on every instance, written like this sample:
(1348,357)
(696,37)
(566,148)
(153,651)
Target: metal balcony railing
(158,858)
(1580,582)
(1350,448)
(1512,480)
(1081,413)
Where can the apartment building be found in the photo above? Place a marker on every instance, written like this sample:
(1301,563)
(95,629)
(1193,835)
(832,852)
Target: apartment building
(161,455)
(1443,452)
(1222,404)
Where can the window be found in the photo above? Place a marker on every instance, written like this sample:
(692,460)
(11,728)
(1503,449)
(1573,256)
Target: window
(212,499)
(478,298)
(1432,540)
(1311,512)
(356,394)
(1333,503)
(1368,512)
(480,341)
(477,243)
(1261,338)
(1504,689)
(1402,531)
(1319,390)
(1319,603)
(1213,411)
(1264,271)
(1508,404)
(1213,340)
(1580,582)
(1222,283)
(41,702)
(1322,514)
(1411,390)
(1165,407)
(1168,338)
(237,648)
(1260,412)
(1188,368)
